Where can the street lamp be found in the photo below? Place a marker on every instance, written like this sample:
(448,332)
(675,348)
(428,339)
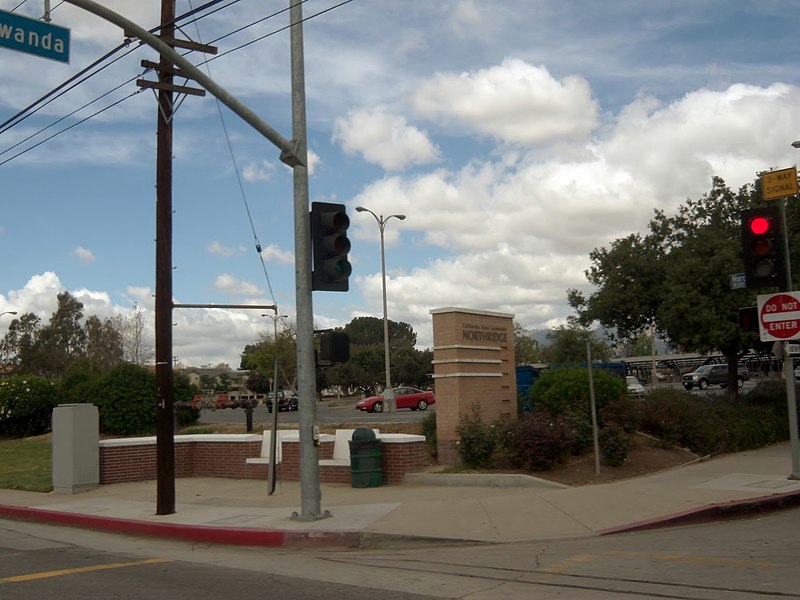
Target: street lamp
(388,392)
(273,442)
(8,312)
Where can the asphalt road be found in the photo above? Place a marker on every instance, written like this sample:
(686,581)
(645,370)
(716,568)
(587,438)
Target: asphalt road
(744,559)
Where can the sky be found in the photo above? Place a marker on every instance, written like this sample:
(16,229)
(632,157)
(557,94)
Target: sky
(516,136)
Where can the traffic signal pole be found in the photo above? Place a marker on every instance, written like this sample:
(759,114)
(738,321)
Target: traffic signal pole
(310,494)
(788,360)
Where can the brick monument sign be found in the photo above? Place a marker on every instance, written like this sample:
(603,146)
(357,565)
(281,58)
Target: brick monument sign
(473,363)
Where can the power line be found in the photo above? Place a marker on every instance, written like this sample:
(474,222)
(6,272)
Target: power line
(21,115)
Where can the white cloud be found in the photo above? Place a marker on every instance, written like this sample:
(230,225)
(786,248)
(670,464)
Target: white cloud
(384,139)
(236,287)
(84,255)
(273,253)
(514,102)
(258,171)
(220,249)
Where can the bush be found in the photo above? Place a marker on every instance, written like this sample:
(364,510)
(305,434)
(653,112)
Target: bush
(26,405)
(536,441)
(477,440)
(127,401)
(429,431)
(615,444)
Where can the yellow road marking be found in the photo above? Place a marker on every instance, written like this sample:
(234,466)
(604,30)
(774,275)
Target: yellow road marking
(60,572)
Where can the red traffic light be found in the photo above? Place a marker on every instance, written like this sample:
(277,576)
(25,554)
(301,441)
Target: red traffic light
(759,225)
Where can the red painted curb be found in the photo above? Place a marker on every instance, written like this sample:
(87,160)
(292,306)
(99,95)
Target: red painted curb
(196,533)
(713,512)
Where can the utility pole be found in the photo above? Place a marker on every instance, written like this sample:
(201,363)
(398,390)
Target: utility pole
(165,408)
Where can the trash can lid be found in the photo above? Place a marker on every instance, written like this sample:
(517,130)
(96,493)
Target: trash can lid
(363,434)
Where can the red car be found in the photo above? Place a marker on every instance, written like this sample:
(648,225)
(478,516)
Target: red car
(405,397)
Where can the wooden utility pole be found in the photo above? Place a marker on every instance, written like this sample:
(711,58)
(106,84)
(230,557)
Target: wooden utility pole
(165,409)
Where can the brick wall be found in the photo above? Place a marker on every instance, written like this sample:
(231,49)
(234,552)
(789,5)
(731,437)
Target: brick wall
(134,459)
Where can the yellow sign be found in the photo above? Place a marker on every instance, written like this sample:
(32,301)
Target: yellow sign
(777,184)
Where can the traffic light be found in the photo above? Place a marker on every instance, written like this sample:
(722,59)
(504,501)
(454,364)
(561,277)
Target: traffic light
(762,248)
(334,347)
(748,318)
(329,224)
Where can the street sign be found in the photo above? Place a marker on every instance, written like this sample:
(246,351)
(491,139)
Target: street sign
(738,281)
(777,184)
(34,37)
(779,316)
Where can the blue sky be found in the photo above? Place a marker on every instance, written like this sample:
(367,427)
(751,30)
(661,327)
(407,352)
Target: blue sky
(516,136)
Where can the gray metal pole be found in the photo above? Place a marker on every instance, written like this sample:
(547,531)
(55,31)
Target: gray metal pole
(310,494)
(388,391)
(273,443)
(788,360)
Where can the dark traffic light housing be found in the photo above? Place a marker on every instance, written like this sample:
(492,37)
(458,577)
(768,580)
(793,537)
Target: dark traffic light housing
(330,245)
(762,248)
(334,347)
(748,318)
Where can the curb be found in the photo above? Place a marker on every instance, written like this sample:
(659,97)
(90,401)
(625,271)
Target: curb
(713,512)
(235,536)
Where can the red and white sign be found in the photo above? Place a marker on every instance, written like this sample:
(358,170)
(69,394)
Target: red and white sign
(779,316)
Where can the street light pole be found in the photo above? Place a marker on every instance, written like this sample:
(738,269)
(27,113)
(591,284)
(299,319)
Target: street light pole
(8,312)
(388,392)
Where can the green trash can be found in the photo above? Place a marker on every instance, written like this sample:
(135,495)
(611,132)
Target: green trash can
(366,459)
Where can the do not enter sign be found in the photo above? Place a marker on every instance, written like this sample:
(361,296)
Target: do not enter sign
(779,316)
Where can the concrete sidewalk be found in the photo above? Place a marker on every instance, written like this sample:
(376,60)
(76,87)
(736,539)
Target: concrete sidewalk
(442,508)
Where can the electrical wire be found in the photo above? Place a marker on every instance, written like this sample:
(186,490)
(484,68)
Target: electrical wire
(21,116)
(47,139)
(241,187)
(28,110)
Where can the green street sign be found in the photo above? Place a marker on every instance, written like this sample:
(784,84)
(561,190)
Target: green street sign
(34,37)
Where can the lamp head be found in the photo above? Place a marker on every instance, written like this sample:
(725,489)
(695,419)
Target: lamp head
(360,209)
(796,144)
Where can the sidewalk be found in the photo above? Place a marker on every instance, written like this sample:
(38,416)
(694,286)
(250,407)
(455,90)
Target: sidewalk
(441,508)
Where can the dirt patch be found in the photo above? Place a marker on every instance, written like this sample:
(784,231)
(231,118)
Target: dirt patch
(646,456)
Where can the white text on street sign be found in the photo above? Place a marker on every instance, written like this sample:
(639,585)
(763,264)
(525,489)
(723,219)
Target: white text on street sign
(34,37)
(779,316)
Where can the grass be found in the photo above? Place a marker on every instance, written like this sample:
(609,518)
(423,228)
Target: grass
(25,464)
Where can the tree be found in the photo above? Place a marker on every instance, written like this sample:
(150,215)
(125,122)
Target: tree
(526,349)
(261,356)
(103,344)
(18,347)
(568,344)
(677,278)
(62,340)
(135,348)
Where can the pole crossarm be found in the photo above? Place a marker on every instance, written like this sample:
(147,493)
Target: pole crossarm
(289,148)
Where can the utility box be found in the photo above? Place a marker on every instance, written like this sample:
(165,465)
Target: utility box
(76,448)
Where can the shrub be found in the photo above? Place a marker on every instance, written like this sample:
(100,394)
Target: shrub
(477,440)
(615,444)
(26,405)
(127,401)
(429,431)
(537,441)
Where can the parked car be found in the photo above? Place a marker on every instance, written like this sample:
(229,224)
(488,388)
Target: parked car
(707,375)
(635,387)
(405,397)
(286,402)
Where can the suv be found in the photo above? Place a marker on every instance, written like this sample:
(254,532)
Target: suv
(707,375)
(286,402)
